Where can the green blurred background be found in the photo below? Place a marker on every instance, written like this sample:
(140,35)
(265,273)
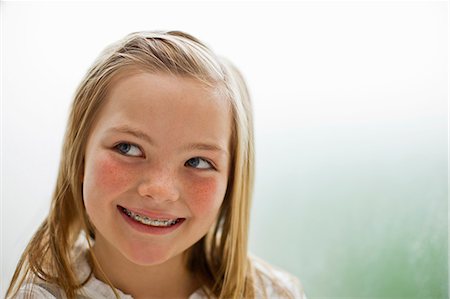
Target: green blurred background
(352,152)
(366,209)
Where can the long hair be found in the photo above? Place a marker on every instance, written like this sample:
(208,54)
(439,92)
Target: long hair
(219,260)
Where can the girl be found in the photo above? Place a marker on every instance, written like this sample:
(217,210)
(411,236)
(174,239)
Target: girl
(154,188)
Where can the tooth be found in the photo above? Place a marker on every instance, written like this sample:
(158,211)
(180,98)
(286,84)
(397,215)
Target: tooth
(148,221)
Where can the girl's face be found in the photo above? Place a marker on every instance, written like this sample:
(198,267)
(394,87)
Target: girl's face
(156,166)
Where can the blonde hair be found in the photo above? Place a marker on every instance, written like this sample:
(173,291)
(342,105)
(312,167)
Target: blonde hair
(219,260)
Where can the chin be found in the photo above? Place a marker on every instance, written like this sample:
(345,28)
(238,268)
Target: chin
(149,256)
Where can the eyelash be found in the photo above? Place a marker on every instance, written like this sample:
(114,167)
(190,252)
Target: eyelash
(117,148)
(211,165)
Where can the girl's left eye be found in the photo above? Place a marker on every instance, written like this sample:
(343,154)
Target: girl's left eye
(128,149)
(199,163)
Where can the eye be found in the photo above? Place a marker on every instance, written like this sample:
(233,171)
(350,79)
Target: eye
(128,149)
(199,163)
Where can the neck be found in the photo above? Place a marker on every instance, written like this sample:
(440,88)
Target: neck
(170,279)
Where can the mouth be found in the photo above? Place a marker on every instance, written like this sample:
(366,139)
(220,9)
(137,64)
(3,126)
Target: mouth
(151,222)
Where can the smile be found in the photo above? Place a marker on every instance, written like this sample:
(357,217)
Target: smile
(149,221)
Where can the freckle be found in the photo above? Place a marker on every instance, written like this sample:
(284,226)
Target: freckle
(110,174)
(204,189)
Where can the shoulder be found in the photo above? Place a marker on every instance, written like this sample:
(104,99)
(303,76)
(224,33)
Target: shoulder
(37,291)
(37,288)
(273,282)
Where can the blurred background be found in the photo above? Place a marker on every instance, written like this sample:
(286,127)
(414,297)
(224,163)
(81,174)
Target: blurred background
(351,120)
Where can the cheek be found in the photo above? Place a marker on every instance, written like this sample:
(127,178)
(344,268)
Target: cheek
(206,195)
(105,175)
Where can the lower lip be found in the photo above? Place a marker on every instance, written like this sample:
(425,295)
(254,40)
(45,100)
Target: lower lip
(147,229)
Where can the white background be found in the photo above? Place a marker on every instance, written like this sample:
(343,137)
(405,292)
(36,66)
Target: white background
(350,102)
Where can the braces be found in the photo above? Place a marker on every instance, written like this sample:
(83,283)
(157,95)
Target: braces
(148,221)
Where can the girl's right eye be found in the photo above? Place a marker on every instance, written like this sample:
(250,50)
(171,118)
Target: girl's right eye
(128,149)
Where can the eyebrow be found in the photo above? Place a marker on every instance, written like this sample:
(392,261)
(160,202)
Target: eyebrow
(132,131)
(191,146)
(205,147)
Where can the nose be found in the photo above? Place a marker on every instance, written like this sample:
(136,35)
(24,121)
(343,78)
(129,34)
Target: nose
(159,185)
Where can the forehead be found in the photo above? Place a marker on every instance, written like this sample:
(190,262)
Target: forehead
(166,103)
(164,90)
(133,78)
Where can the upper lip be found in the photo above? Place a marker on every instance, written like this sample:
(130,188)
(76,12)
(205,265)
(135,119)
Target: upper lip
(151,214)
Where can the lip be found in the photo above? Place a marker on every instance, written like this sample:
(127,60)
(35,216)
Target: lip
(146,229)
